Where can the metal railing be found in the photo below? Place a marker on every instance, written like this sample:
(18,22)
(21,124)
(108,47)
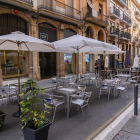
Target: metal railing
(114,10)
(123,34)
(125,18)
(114,30)
(139,40)
(89,12)
(125,1)
(128,35)
(27,1)
(60,8)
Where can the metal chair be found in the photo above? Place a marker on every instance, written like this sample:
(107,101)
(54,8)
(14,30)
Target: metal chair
(83,102)
(54,102)
(122,87)
(105,88)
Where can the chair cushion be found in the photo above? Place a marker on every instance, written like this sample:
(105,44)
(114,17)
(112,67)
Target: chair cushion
(121,88)
(78,102)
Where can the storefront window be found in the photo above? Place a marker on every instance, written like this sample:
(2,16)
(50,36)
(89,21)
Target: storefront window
(68,61)
(9,63)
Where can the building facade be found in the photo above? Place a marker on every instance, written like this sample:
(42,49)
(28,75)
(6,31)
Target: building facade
(116,22)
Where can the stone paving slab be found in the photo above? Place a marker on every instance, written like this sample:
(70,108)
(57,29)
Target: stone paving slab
(126,136)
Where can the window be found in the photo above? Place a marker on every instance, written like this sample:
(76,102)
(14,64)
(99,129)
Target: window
(112,4)
(132,20)
(132,6)
(117,25)
(112,24)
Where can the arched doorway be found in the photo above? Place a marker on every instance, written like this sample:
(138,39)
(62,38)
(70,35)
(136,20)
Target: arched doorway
(69,58)
(9,59)
(89,57)
(47,60)
(89,32)
(101,35)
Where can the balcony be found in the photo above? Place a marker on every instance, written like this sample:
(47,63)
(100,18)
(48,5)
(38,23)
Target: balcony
(135,40)
(125,19)
(135,27)
(114,12)
(113,32)
(137,15)
(128,36)
(139,40)
(26,4)
(60,11)
(123,35)
(95,17)
(123,3)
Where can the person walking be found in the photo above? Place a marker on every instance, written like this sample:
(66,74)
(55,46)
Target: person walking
(96,67)
(102,65)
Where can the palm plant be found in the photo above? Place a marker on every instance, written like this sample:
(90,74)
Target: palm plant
(32,116)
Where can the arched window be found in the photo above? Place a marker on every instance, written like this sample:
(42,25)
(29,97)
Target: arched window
(11,23)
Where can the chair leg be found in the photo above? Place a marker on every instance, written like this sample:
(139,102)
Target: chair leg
(100,94)
(108,94)
(125,95)
(54,114)
(128,95)
(83,113)
(89,110)
(78,108)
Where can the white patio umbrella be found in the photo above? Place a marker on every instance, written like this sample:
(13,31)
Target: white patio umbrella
(108,52)
(17,40)
(136,62)
(78,44)
(106,61)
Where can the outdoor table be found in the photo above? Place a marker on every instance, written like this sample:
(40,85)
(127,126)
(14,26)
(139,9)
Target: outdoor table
(123,75)
(64,78)
(67,92)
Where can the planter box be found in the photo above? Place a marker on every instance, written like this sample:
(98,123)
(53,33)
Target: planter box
(2,117)
(39,134)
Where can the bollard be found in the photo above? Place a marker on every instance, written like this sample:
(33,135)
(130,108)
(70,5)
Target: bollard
(135,99)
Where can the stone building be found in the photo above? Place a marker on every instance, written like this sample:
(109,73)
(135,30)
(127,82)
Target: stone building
(49,20)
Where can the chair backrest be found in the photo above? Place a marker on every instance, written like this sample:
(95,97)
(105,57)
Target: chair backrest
(49,99)
(81,87)
(87,97)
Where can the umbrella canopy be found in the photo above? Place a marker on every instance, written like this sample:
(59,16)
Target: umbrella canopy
(108,52)
(27,43)
(106,62)
(79,43)
(127,59)
(18,40)
(136,62)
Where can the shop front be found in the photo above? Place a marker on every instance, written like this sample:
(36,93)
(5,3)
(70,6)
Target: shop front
(9,59)
(47,60)
(69,58)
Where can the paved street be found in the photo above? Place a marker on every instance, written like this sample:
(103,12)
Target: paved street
(74,128)
(131,131)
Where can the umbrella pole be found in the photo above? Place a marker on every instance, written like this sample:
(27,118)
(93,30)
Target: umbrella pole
(77,65)
(18,113)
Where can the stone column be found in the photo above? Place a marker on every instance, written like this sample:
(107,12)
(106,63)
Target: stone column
(60,65)
(34,68)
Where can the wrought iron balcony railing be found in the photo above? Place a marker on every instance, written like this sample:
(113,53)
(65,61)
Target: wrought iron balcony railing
(114,11)
(114,31)
(128,36)
(60,8)
(95,15)
(137,13)
(123,34)
(27,1)
(125,18)
(124,3)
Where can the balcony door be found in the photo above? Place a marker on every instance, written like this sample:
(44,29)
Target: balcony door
(70,7)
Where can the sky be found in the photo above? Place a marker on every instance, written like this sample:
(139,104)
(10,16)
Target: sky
(138,1)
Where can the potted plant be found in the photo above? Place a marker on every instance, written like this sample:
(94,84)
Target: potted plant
(34,123)
(2,119)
